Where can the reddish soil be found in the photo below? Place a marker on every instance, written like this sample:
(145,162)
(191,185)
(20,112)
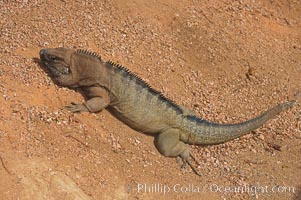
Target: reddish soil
(226,60)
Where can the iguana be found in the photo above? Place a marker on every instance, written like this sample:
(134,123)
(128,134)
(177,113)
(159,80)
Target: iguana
(137,104)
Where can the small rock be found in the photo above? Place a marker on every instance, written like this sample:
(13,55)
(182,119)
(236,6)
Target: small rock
(261,137)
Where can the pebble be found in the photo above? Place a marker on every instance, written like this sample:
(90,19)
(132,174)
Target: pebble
(261,137)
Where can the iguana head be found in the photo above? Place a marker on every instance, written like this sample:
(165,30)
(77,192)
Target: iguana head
(71,68)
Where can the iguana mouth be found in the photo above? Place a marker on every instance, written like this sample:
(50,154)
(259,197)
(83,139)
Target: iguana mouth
(58,72)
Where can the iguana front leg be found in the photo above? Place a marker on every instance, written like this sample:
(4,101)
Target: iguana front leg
(98,99)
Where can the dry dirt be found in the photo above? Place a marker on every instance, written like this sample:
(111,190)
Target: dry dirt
(226,60)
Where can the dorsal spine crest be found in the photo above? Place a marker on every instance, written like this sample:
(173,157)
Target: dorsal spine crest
(119,69)
(89,53)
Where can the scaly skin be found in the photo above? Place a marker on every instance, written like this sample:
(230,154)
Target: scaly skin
(131,100)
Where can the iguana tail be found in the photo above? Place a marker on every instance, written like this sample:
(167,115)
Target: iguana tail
(205,133)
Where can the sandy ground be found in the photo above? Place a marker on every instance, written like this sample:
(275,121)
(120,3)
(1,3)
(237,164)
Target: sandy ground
(226,60)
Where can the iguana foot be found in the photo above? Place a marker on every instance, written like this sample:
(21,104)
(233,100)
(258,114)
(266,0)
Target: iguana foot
(76,108)
(185,157)
(179,160)
(186,161)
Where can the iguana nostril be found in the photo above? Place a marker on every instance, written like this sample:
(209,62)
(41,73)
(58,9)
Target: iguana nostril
(42,52)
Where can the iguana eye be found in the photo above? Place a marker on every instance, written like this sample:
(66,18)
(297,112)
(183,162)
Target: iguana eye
(54,58)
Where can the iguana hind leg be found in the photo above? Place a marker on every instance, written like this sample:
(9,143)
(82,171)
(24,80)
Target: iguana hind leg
(168,144)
